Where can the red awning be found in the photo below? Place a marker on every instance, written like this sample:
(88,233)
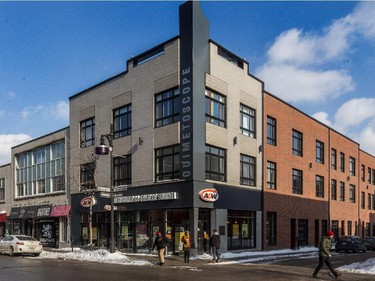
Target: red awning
(60,211)
(3,217)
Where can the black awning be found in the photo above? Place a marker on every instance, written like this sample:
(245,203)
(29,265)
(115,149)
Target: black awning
(28,212)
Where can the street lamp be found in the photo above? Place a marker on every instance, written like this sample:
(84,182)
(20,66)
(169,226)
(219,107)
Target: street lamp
(102,149)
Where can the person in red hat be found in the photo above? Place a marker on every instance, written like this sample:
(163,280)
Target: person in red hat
(325,246)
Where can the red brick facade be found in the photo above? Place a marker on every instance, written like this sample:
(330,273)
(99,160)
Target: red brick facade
(303,215)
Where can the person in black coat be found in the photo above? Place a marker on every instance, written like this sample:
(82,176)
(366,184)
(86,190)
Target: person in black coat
(215,245)
(159,244)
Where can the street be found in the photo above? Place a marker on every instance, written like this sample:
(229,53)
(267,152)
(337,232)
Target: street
(34,269)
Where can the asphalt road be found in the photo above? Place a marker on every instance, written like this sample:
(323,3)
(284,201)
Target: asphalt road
(31,269)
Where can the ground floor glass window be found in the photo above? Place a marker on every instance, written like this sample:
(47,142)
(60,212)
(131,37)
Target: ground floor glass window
(241,229)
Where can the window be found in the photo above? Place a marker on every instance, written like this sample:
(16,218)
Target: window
(215,108)
(87,132)
(271,175)
(352,193)
(320,186)
(297,143)
(122,170)
(349,228)
(271,130)
(87,178)
(319,152)
(352,166)
(368,229)
(373,201)
(167,163)
(215,163)
(334,159)
(248,170)
(363,173)
(39,156)
(342,191)
(342,162)
(247,121)
(369,174)
(334,190)
(167,107)
(373,176)
(41,186)
(342,228)
(58,183)
(297,181)
(122,121)
(2,189)
(368,201)
(363,200)
(271,228)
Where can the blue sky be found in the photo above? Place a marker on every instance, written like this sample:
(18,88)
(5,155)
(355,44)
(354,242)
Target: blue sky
(318,56)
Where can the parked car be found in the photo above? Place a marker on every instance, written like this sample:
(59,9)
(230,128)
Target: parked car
(370,243)
(350,243)
(20,244)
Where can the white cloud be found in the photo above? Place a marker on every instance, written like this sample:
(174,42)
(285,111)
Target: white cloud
(322,117)
(7,142)
(59,111)
(294,84)
(367,138)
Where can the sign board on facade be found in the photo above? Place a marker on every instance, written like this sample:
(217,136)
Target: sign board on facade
(86,201)
(146,197)
(105,195)
(209,195)
(105,189)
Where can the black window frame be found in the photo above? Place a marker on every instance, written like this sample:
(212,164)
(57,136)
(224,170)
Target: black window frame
(297,143)
(334,159)
(342,162)
(122,170)
(342,191)
(215,154)
(122,121)
(167,156)
(250,114)
(87,176)
(87,132)
(170,97)
(297,181)
(319,184)
(213,98)
(352,198)
(334,189)
(319,152)
(352,166)
(248,163)
(271,131)
(271,175)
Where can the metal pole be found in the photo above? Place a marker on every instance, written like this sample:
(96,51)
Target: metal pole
(112,245)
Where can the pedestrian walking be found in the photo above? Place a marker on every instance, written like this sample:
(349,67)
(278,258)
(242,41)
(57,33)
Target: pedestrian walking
(215,245)
(325,255)
(160,244)
(186,245)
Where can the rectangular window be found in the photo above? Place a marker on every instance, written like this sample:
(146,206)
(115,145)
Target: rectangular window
(352,166)
(271,130)
(363,200)
(342,228)
(215,163)
(368,229)
(319,152)
(167,107)
(122,121)
(87,130)
(297,143)
(363,173)
(373,202)
(167,162)
(41,186)
(122,170)
(334,159)
(369,201)
(352,193)
(319,186)
(297,181)
(271,175)
(215,108)
(2,189)
(334,190)
(349,228)
(342,191)
(87,178)
(342,162)
(373,176)
(369,174)
(248,170)
(58,183)
(247,121)
(271,228)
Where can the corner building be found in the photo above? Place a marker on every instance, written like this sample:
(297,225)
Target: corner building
(185,125)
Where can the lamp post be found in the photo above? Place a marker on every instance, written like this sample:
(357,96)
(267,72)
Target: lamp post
(102,149)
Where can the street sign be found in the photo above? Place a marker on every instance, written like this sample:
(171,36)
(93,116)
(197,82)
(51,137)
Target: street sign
(105,189)
(120,188)
(105,195)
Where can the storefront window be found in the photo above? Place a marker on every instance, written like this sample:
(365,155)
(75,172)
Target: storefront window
(241,229)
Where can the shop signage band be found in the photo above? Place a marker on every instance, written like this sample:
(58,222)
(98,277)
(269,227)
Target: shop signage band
(146,197)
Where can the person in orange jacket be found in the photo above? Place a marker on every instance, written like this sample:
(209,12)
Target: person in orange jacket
(186,245)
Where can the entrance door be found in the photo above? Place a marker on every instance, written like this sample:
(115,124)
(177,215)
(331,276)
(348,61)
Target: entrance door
(293,235)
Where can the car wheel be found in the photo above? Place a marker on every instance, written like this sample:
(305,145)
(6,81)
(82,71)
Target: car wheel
(11,251)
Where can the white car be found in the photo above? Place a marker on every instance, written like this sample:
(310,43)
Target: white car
(20,244)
